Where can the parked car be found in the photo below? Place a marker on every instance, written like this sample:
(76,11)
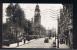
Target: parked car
(54,44)
(46,40)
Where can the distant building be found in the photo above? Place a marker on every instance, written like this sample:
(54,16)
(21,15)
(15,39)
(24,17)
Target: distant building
(39,30)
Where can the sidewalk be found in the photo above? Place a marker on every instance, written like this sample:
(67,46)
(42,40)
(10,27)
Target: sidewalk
(34,43)
(38,43)
(14,45)
(63,46)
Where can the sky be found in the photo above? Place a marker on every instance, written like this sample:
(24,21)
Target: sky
(49,13)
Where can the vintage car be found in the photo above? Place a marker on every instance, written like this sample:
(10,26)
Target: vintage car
(46,40)
(54,44)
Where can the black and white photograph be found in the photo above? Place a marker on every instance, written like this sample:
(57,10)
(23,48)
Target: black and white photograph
(37,25)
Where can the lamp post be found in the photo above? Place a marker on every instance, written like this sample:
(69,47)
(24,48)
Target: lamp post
(55,39)
(58,19)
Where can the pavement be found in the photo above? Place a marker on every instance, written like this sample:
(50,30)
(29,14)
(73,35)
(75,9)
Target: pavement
(62,46)
(14,45)
(37,43)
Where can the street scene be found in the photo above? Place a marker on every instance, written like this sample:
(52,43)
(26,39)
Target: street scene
(35,25)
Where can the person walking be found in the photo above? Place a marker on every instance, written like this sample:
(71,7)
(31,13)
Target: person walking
(17,42)
(24,40)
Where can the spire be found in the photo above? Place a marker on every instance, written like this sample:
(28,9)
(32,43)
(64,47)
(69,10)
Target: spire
(37,8)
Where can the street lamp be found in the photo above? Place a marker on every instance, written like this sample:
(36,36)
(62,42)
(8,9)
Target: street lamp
(55,38)
(58,19)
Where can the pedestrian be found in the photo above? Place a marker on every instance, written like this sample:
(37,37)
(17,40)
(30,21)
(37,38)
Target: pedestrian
(24,40)
(46,40)
(17,42)
(28,38)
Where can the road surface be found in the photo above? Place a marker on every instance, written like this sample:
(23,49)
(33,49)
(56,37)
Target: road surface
(38,43)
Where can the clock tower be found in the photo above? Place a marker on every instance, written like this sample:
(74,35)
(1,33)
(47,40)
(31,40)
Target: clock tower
(37,17)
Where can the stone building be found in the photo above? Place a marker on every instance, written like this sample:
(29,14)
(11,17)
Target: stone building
(38,29)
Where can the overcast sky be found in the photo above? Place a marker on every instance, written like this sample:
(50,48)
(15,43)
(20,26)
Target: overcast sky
(49,13)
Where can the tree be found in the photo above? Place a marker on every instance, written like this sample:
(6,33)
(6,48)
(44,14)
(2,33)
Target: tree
(15,13)
(19,16)
(16,17)
(10,10)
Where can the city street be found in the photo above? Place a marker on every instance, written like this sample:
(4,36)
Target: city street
(43,26)
(38,43)
(35,43)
